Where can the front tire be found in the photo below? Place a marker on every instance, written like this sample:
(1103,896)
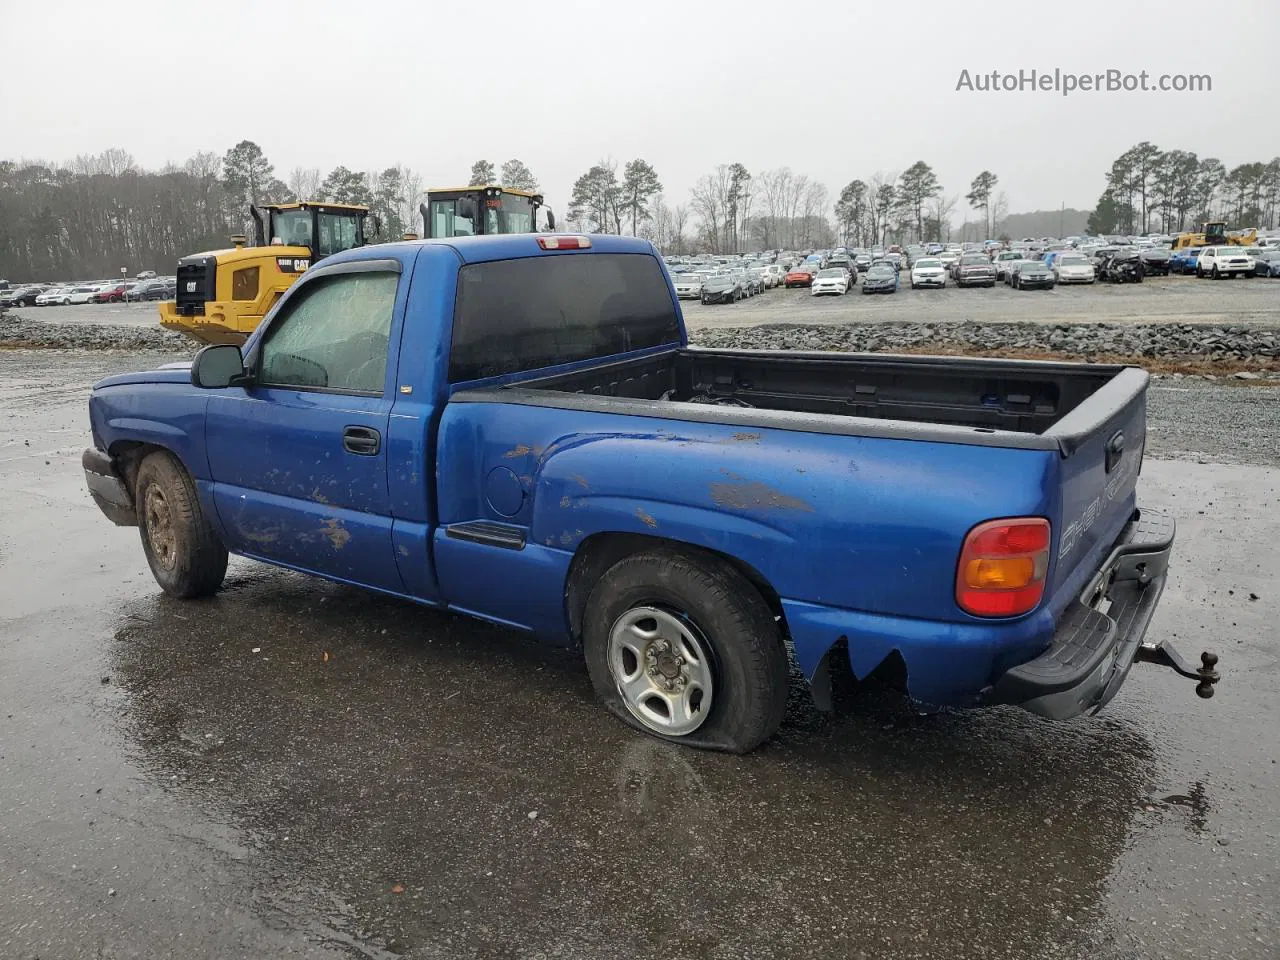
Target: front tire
(683,647)
(184,553)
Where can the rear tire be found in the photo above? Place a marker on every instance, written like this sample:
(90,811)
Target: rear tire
(184,553)
(739,668)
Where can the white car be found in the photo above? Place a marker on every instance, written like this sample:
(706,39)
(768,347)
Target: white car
(949,258)
(688,286)
(1218,262)
(81,294)
(1073,268)
(54,296)
(928,272)
(834,280)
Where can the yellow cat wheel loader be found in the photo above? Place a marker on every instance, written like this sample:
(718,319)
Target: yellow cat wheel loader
(1214,233)
(222,295)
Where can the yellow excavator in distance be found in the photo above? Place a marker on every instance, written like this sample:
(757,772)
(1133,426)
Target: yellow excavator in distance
(1213,233)
(222,295)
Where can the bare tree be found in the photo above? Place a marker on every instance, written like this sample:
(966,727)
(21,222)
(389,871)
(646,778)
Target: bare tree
(304,183)
(710,198)
(999,210)
(679,220)
(813,209)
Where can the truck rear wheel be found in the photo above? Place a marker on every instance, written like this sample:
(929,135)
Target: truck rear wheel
(181,546)
(683,647)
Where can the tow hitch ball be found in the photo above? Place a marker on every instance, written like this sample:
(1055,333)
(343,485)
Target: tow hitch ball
(1165,655)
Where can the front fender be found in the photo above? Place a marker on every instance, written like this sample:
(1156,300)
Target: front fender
(165,416)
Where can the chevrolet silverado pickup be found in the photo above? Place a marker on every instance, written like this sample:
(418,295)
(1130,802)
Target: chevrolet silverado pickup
(516,428)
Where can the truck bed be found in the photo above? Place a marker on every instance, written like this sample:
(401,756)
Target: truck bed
(992,401)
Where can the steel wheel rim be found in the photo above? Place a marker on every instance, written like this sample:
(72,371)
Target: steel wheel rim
(164,542)
(661,666)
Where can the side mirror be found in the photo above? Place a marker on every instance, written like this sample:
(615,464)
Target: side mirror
(377,224)
(218,365)
(466,209)
(551,221)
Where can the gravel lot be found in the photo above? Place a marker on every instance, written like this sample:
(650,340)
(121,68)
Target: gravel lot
(297,769)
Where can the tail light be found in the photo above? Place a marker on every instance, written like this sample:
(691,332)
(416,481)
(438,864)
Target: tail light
(1003,566)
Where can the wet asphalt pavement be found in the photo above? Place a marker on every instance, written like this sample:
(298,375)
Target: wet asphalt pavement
(296,769)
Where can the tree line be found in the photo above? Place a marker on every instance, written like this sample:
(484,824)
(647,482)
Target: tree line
(95,214)
(1147,188)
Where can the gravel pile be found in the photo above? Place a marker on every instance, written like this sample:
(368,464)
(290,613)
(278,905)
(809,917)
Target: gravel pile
(1226,344)
(17,332)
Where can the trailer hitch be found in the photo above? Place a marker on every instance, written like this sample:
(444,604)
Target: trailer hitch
(1166,655)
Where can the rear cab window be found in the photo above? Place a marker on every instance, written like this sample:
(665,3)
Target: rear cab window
(537,312)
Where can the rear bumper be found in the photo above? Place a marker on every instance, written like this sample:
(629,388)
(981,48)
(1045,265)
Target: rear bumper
(107,488)
(1096,642)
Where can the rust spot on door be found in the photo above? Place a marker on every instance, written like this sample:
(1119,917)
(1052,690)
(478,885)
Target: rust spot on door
(645,518)
(333,531)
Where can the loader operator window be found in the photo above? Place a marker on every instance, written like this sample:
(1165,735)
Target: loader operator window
(445,221)
(293,227)
(338,232)
(508,214)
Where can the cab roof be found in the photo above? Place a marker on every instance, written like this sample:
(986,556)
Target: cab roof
(500,247)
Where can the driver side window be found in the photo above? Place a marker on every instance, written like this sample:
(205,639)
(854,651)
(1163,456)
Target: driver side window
(333,335)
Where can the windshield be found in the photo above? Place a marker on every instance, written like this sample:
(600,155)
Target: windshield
(448,221)
(929,262)
(974,261)
(880,272)
(508,214)
(1073,262)
(291,227)
(1010,255)
(832,274)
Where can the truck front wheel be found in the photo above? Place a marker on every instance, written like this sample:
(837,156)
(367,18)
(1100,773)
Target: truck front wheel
(181,546)
(683,647)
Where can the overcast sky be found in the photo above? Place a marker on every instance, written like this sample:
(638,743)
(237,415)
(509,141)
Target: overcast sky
(833,90)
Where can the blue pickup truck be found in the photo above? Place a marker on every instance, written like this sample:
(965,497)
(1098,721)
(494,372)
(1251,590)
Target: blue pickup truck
(516,428)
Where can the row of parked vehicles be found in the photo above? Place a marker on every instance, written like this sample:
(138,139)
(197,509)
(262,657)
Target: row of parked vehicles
(102,291)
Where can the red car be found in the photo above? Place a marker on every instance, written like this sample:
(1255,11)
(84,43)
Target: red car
(799,277)
(110,295)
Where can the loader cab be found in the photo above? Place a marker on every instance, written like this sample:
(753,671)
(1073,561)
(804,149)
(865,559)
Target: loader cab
(1215,233)
(483,211)
(323,228)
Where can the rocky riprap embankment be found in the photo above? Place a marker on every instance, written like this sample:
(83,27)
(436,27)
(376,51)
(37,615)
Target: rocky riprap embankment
(1233,346)
(17,332)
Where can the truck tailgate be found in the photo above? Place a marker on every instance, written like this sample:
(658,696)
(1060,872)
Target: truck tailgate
(1101,444)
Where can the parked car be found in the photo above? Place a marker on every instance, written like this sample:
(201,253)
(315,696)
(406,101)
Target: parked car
(1012,267)
(881,278)
(1219,262)
(23,296)
(862,261)
(1185,260)
(54,296)
(974,269)
(763,275)
(83,294)
(160,289)
(723,288)
(110,293)
(1032,275)
(801,276)
(1155,261)
(830,280)
(776,271)
(1267,263)
(928,272)
(949,258)
(688,286)
(1073,268)
(1002,262)
(1122,266)
(1011,567)
(751,282)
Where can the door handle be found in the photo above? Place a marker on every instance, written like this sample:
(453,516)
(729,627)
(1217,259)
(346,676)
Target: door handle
(362,441)
(1115,450)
